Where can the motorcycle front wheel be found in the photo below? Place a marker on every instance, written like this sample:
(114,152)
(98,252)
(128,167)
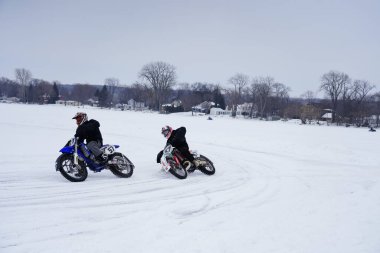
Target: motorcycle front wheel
(177,170)
(120,165)
(73,173)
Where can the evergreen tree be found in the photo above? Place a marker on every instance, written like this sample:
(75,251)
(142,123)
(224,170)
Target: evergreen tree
(30,94)
(219,99)
(103,97)
(55,94)
(97,93)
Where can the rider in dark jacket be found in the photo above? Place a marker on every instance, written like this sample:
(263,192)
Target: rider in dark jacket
(88,130)
(178,140)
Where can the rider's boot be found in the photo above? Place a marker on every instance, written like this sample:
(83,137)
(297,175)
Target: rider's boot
(187,165)
(198,163)
(101,159)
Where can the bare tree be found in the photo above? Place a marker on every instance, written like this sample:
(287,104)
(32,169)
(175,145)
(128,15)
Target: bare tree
(185,94)
(334,84)
(309,113)
(39,91)
(82,92)
(112,84)
(359,95)
(139,92)
(239,81)
(280,96)
(161,77)
(202,92)
(8,88)
(309,96)
(376,109)
(361,88)
(23,77)
(280,90)
(261,89)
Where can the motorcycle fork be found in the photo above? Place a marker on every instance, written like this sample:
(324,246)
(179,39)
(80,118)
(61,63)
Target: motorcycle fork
(177,160)
(76,155)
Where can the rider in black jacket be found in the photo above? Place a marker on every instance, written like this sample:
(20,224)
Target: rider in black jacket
(178,140)
(88,130)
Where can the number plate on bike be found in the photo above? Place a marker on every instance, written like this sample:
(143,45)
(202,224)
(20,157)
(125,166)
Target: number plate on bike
(109,150)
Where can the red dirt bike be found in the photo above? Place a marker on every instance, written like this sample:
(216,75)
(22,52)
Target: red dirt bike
(172,162)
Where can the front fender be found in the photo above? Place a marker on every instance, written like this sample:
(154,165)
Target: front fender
(67,150)
(165,164)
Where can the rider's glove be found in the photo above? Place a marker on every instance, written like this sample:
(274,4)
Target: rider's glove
(159,155)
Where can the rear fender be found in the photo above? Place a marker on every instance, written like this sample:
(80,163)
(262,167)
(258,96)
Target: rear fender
(194,153)
(109,149)
(106,145)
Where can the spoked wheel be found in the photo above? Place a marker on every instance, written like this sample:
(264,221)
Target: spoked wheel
(207,167)
(177,170)
(74,173)
(120,165)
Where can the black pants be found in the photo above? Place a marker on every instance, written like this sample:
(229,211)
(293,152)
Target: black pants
(186,153)
(94,147)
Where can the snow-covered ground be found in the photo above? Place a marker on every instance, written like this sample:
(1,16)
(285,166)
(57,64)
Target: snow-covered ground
(278,187)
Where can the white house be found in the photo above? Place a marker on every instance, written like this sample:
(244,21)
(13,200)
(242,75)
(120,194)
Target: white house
(327,116)
(134,105)
(245,109)
(93,102)
(68,102)
(9,100)
(218,111)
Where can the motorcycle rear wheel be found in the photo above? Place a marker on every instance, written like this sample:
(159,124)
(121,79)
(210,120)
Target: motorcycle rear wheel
(72,172)
(121,166)
(209,168)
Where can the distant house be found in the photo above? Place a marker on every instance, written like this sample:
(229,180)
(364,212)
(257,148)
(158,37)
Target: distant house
(176,103)
(93,102)
(203,107)
(68,102)
(134,105)
(44,99)
(245,109)
(60,102)
(175,106)
(218,111)
(370,121)
(9,100)
(327,115)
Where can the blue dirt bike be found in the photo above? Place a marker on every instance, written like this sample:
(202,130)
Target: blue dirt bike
(73,164)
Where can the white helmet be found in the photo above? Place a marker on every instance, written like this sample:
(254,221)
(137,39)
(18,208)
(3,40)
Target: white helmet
(80,117)
(166,131)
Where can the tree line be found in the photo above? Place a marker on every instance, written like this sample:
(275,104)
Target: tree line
(349,101)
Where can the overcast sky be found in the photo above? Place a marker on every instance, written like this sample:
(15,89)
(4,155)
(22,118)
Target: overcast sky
(294,41)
